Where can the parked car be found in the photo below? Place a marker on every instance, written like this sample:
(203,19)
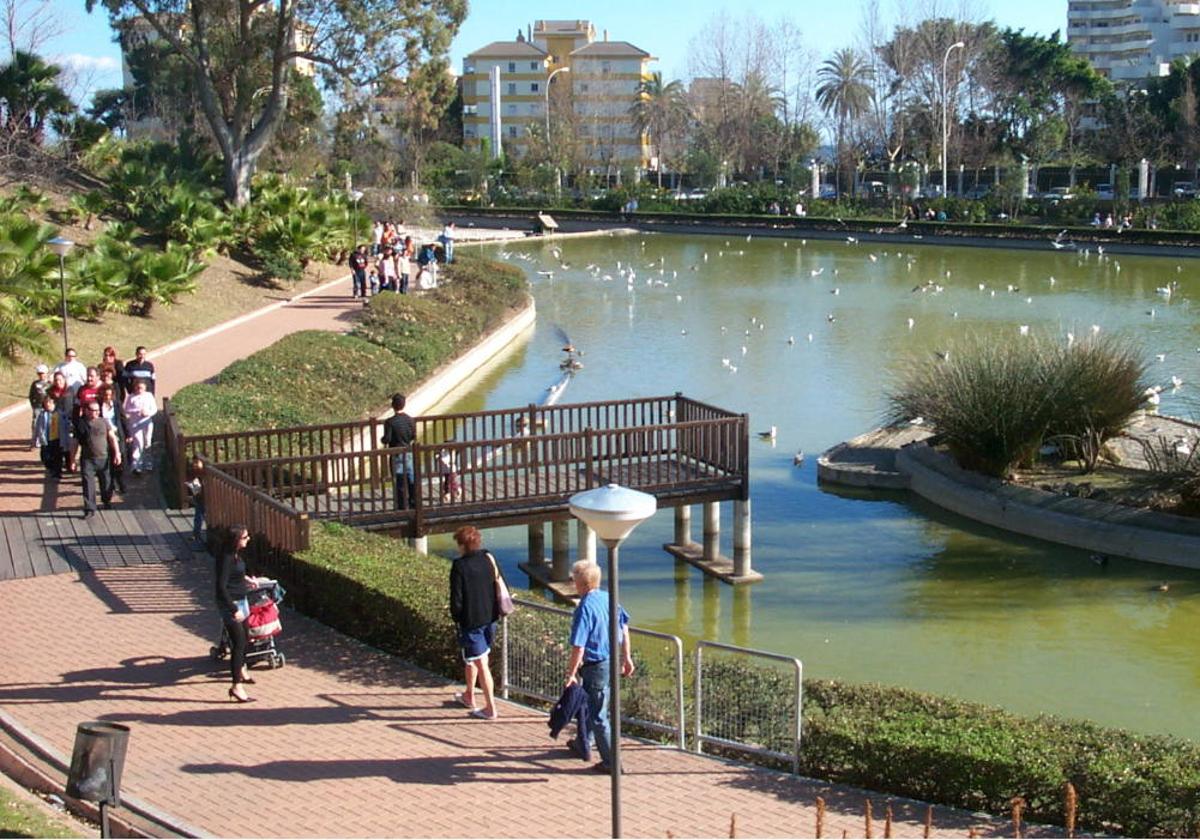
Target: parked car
(1184,189)
(977,192)
(1058,194)
(1104,192)
(829,192)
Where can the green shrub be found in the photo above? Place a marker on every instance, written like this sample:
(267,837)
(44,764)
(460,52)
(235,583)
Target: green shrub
(377,590)
(305,378)
(1101,387)
(318,377)
(280,265)
(977,757)
(993,403)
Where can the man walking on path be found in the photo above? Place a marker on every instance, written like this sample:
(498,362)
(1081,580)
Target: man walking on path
(37,395)
(139,367)
(401,430)
(590,660)
(74,370)
(358,268)
(96,441)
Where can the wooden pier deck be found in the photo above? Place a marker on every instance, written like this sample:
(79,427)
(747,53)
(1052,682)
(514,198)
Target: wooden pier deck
(54,542)
(511,466)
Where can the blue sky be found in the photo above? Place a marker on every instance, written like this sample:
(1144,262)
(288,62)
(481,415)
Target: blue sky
(663,28)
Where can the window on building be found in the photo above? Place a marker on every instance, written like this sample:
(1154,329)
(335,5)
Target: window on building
(512,67)
(533,87)
(512,131)
(512,88)
(470,110)
(469,68)
(605,66)
(512,109)
(533,65)
(583,88)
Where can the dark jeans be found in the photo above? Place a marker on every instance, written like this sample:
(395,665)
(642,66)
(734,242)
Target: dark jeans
(237,646)
(405,490)
(94,470)
(116,476)
(359,283)
(596,683)
(404,284)
(52,458)
(197,517)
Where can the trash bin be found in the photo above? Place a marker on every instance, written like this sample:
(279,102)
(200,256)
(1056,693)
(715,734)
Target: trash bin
(97,762)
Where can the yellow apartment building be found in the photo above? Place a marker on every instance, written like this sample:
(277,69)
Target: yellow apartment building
(603,76)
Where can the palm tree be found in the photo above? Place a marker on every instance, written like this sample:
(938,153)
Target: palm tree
(660,111)
(844,92)
(30,93)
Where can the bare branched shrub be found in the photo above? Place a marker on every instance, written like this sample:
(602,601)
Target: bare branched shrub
(994,403)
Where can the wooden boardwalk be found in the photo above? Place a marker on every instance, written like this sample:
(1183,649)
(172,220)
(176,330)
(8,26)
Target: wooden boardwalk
(57,542)
(510,466)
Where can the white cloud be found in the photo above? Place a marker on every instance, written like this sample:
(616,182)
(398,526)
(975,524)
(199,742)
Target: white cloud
(81,63)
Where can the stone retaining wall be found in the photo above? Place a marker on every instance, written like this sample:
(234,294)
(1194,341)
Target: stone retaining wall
(1081,523)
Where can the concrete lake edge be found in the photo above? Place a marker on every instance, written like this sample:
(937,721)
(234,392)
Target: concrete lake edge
(1102,527)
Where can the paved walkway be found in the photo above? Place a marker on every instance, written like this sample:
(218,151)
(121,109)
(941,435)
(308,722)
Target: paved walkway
(112,620)
(347,741)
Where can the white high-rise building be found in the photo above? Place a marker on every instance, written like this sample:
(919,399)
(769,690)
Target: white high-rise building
(1127,40)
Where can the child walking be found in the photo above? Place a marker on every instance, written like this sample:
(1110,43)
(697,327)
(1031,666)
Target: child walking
(46,436)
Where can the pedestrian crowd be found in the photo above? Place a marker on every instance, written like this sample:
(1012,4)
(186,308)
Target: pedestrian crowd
(95,420)
(394,263)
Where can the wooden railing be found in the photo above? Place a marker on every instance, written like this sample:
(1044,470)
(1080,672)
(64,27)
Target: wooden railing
(505,475)
(228,501)
(490,463)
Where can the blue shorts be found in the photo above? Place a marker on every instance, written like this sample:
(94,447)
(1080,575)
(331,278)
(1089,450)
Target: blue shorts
(476,643)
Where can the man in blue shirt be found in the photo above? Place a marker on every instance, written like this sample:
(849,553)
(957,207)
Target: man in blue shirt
(590,652)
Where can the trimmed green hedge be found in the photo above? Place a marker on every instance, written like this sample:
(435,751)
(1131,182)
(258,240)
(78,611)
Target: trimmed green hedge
(888,739)
(977,757)
(317,377)
(375,589)
(683,220)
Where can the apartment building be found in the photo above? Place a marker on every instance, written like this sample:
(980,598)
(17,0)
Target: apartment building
(1128,40)
(603,78)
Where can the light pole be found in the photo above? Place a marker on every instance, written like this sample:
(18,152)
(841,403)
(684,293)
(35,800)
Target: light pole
(60,246)
(549,79)
(613,512)
(356,196)
(945,104)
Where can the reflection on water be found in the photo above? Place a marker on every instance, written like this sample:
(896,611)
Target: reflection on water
(871,586)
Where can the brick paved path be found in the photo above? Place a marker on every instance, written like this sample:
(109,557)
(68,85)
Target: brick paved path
(346,741)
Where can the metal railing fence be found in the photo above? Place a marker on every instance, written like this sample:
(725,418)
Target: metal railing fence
(747,708)
(535,651)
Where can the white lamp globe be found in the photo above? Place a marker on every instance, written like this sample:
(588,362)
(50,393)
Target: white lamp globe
(59,246)
(613,511)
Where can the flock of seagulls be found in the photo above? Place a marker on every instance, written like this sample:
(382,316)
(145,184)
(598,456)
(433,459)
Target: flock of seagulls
(642,276)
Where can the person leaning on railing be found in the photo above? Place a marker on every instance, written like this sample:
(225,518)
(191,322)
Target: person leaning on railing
(401,430)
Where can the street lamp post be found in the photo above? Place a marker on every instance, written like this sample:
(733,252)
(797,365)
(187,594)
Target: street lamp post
(61,247)
(549,79)
(356,196)
(945,104)
(613,512)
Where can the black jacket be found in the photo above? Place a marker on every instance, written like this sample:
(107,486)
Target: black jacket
(473,590)
(231,582)
(573,705)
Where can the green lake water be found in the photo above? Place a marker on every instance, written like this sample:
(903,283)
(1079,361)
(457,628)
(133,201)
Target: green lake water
(870,586)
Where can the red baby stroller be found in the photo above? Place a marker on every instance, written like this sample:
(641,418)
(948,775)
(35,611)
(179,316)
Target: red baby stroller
(262,626)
